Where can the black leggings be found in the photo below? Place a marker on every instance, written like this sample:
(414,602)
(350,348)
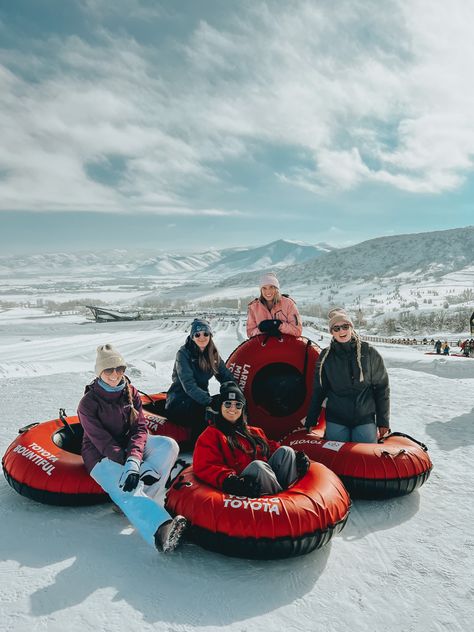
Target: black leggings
(188,413)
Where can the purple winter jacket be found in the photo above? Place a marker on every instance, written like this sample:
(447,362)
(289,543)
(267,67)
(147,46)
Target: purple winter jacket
(107,429)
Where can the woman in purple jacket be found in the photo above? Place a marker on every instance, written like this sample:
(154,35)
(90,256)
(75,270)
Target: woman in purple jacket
(130,465)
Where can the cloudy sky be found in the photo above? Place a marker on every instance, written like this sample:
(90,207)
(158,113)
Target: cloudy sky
(189,124)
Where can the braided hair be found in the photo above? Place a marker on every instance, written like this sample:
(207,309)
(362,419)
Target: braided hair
(133,411)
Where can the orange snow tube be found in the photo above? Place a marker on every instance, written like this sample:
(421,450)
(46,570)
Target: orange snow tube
(276,375)
(44,463)
(293,522)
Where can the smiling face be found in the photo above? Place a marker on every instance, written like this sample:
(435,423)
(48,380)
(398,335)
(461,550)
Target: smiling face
(201,338)
(113,377)
(268,292)
(342,332)
(231,414)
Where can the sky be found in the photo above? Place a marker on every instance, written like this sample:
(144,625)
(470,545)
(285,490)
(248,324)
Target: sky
(189,125)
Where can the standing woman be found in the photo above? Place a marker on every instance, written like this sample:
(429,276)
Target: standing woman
(130,465)
(351,374)
(196,362)
(272,313)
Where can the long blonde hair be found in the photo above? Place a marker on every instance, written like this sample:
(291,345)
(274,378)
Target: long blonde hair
(275,300)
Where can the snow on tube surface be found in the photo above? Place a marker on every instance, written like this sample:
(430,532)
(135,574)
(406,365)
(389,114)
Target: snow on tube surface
(154,411)
(44,463)
(293,522)
(396,466)
(276,375)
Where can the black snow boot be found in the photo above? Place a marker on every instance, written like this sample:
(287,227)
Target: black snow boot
(168,535)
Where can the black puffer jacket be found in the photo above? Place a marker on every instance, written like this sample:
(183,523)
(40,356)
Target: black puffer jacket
(189,381)
(349,401)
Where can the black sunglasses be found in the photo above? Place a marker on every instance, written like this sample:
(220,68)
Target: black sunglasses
(345,326)
(117,369)
(228,404)
(202,333)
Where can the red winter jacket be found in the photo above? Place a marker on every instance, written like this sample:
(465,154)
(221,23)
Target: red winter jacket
(285,310)
(214,460)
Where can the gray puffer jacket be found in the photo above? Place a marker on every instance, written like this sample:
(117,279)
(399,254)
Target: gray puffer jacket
(349,401)
(189,381)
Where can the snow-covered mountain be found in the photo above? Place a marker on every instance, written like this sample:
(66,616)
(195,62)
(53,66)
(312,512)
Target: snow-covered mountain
(213,263)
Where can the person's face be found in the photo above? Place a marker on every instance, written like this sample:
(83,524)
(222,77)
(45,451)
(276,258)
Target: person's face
(233,413)
(268,292)
(342,332)
(201,338)
(113,377)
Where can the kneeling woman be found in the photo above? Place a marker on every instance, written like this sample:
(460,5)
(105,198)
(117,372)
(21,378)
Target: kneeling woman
(239,459)
(196,362)
(131,466)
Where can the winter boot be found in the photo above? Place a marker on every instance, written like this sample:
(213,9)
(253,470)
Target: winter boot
(168,535)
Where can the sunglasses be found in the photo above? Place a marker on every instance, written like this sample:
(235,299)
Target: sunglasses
(117,369)
(229,404)
(345,327)
(202,333)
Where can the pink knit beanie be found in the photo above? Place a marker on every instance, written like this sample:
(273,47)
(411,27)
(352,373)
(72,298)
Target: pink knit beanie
(269,279)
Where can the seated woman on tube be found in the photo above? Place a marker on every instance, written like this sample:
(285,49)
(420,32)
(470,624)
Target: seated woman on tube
(272,313)
(130,465)
(240,459)
(196,362)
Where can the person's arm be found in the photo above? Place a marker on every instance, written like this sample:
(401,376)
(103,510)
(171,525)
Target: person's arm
(224,374)
(293,325)
(103,441)
(188,381)
(320,392)
(381,389)
(139,433)
(208,459)
(252,325)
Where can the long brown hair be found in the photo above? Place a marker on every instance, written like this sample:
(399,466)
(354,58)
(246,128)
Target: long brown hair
(208,359)
(241,428)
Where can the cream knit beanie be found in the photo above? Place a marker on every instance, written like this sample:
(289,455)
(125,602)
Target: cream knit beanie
(108,358)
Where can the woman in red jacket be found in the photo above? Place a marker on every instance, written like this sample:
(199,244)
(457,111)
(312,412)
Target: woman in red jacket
(240,459)
(272,313)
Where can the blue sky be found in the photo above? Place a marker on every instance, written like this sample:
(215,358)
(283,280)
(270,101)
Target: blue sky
(187,125)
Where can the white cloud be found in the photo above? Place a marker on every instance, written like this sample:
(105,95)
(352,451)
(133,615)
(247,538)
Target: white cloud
(367,92)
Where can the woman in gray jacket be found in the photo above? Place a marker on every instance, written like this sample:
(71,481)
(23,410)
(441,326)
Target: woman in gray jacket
(196,362)
(351,374)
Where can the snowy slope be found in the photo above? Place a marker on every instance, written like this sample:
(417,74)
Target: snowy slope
(399,565)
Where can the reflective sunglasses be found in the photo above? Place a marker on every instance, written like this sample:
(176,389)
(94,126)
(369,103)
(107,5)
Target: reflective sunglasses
(117,369)
(229,404)
(345,326)
(202,333)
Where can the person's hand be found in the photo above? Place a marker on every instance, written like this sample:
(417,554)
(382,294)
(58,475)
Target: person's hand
(270,326)
(130,475)
(241,486)
(302,463)
(382,431)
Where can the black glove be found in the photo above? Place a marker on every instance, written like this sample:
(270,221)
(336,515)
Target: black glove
(270,326)
(130,474)
(241,486)
(302,463)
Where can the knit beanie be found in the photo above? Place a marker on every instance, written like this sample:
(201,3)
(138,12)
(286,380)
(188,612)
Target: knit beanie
(269,279)
(108,358)
(231,392)
(338,316)
(200,324)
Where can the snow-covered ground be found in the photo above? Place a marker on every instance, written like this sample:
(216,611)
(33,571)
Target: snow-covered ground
(402,564)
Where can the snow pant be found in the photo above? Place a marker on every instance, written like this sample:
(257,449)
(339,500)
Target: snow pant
(365,433)
(144,505)
(188,413)
(277,474)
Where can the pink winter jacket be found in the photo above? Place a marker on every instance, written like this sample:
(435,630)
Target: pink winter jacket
(285,310)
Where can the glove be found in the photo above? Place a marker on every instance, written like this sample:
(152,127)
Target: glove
(270,326)
(302,463)
(130,475)
(241,486)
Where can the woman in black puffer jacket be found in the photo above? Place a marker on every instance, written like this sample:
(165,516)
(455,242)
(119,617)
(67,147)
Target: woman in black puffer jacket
(351,374)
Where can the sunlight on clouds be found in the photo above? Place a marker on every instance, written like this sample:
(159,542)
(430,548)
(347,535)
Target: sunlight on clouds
(370,92)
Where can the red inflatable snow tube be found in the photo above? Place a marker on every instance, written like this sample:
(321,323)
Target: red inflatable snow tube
(293,522)
(395,466)
(44,463)
(276,375)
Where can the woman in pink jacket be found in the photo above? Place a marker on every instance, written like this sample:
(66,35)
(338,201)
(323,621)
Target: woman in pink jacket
(272,313)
